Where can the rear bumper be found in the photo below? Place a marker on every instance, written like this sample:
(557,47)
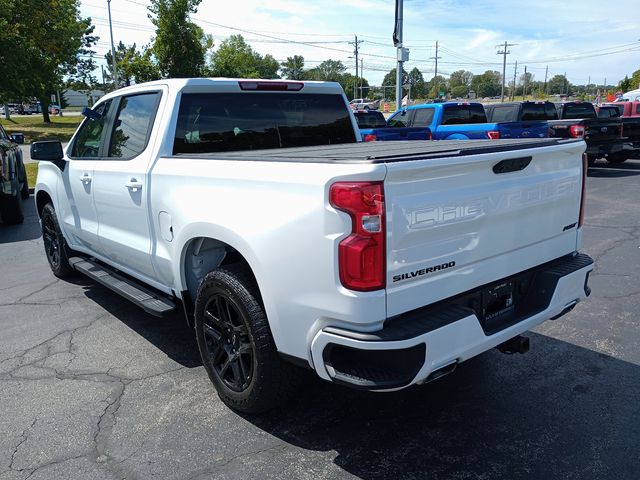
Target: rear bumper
(417,346)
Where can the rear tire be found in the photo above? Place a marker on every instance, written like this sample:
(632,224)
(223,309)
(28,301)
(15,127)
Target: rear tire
(55,246)
(236,345)
(11,209)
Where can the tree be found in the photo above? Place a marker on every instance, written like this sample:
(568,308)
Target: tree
(235,58)
(437,85)
(331,70)
(352,84)
(558,85)
(293,68)
(180,46)
(460,78)
(625,84)
(416,81)
(489,84)
(635,80)
(122,51)
(390,78)
(49,43)
(139,66)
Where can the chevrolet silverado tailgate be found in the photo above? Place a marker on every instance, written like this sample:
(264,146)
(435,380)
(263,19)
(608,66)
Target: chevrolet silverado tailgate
(461,219)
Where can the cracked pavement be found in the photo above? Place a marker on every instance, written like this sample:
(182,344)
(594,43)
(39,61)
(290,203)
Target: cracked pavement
(91,387)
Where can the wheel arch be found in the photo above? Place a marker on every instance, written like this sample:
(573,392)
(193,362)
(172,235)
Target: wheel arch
(42,198)
(200,255)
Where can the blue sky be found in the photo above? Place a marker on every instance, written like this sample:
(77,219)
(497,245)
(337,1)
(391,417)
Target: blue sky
(584,38)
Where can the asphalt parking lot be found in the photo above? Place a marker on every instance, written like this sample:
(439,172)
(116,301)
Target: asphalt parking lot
(91,387)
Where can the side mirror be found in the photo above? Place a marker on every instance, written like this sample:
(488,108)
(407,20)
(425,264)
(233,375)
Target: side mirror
(49,151)
(91,114)
(17,138)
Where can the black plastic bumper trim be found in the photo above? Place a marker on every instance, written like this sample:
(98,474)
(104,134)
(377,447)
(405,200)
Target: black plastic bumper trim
(541,283)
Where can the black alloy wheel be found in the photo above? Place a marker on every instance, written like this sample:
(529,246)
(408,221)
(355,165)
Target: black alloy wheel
(51,242)
(55,247)
(228,342)
(236,345)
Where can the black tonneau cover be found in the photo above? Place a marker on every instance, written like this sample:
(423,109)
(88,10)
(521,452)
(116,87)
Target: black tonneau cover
(382,152)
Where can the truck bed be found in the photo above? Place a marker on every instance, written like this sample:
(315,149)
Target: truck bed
(381,152)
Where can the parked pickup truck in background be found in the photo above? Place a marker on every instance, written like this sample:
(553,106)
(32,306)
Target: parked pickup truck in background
(462,121)
(373,127)
(289,243)
(625,109)
(13,178)
(362,104)
(532,115)
(613,138)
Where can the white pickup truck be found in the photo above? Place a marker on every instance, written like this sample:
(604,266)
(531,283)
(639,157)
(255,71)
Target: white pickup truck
(289,243)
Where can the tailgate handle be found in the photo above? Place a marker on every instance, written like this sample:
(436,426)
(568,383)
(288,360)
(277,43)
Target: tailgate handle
(511,165)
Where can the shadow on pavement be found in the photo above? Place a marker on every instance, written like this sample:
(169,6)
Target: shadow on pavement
(29,230)
(171,334)
(560,411)
(604,169)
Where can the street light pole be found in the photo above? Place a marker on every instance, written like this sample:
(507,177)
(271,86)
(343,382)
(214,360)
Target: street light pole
(113,50)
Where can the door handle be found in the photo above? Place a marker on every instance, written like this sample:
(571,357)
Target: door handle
(86,178)
(134,185)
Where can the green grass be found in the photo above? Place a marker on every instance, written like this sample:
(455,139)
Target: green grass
(32,173)
(34,128)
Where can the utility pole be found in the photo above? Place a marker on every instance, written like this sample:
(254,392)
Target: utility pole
(515,73)
(565,87)
(524,84)
(546,72)
(504,53)
(402,53)
(113,50)
(356,44)
(435,76)
(362,78)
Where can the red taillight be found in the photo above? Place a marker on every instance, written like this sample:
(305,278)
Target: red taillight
(585,166)
(493,135)
(430,137)
(270,86)
(370,137)
(576,131)
(361,256)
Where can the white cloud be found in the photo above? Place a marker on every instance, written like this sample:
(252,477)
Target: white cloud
(467,32)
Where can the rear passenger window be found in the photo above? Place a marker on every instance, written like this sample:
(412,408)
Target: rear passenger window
(423,117)
(399,120)
(550,111)
(463,114)
(133,123)
(503,114)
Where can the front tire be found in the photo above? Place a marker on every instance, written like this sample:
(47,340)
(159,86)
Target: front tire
(55,245)
(236,345)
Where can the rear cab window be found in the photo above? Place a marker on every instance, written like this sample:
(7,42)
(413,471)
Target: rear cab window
(463,114)
(370,120)
(578,110)
(227,122)
(538,111)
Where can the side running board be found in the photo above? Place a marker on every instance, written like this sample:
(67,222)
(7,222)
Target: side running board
(153,303)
